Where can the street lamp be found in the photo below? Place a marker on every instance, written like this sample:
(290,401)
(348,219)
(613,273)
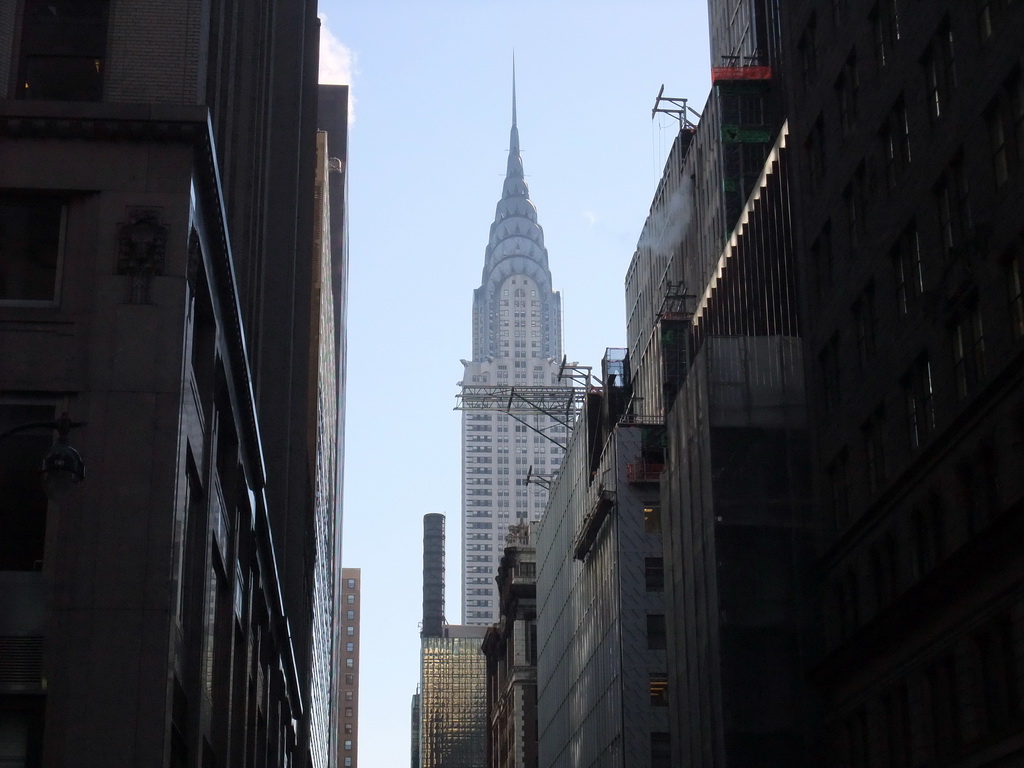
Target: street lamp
(62,466)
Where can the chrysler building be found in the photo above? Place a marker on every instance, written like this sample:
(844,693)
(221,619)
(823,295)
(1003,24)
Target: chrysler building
(517,342)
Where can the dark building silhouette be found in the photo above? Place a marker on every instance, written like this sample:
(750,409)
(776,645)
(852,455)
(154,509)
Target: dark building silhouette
(842,485)
(907,133)
(173,278)
(433,576)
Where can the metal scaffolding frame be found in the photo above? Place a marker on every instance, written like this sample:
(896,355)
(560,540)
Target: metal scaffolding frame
(679,109)
(562,404)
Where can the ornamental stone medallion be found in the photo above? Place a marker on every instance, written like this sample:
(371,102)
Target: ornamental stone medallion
(142,251)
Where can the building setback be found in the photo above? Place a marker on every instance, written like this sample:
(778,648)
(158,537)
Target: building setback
(517,342)
(178,607)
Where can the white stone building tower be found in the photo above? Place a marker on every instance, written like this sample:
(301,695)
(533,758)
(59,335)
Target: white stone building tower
(517,342)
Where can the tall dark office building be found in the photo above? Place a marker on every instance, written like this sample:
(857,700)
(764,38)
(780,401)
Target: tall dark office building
(172,277)
(907,134)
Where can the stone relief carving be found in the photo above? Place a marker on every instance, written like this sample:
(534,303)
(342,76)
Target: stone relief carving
(142,252)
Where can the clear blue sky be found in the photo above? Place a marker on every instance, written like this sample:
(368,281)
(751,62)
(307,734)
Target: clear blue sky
(431,89)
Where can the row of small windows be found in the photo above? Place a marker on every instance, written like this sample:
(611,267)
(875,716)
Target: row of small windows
(966,326)
(519,302)
(917,396)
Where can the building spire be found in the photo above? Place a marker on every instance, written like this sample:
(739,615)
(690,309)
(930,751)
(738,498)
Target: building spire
(513,88)
(514,183)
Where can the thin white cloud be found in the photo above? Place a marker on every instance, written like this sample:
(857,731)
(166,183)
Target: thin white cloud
(591,217)
(337,62)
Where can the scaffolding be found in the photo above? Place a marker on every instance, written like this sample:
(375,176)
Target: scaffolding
(747,73)
(675,319)
(561,403)
(678,108)
(740,69)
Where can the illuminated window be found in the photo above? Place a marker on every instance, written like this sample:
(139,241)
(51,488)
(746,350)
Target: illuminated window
(652,519)
(659,689)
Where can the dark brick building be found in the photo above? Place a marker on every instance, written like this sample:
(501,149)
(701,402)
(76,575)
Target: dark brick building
(159,239)
(873,261)
(907,132)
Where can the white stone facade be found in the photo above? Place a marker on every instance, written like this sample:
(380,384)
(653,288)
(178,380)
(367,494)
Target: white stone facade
(517,342)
